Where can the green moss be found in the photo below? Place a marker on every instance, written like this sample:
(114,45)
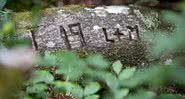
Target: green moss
(132,53)
(26,16)
(148,16)
(24,19)
(19,31)
(68,8)
(50,11)
(22,16)
(73,8)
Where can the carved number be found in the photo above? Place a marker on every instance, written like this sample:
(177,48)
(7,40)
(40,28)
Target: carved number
(79,33)
(131,30)
(106,36)
(118,34)
(34,40)
(62,30)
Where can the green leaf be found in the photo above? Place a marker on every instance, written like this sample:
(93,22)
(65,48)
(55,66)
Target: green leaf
(27,97)
(127,73)
(12,42)
(42,76)
(36,14)
(142,94)
(42,95)
(120,94)
(65,56)
(170,96)
(2,4)
(72,70)
(36,88)
(91,88)
(62,86)
(49,60)
(111,81)
(97,61)
(71,66)
(117,66)
(92,97)
(76,90)
(39,89)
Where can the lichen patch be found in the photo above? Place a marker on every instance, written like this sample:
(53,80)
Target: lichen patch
(117,9)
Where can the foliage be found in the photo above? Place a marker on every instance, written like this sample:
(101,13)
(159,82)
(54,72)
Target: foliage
(64,75)
(2,4)
(92,77)
(86,81)
(4,15)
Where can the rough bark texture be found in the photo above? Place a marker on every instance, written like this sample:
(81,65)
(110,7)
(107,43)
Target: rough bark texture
(117,31)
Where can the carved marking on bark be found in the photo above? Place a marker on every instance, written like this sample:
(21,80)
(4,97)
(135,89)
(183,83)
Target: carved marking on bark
(62,30)
(136,28)
(34,40)
(79,33)
(118,34)
(106,36)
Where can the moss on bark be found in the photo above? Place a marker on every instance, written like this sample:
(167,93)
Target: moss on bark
(23,20)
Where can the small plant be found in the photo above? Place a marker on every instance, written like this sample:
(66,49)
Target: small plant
(65,76)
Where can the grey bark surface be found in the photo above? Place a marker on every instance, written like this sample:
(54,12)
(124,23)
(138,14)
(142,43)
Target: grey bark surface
(115,31)
(94,28)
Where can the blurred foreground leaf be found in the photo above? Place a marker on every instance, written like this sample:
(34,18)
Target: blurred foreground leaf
(2,4)
(117,67)
(97,61)
(37,88)
(122,93)
(141,94)
(127,73)
(42,76)
(92,97)
(70,66)
(67,87)
(91,88)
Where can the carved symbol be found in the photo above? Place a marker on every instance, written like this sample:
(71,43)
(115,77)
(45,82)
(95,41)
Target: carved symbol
(106,36)
(62,30)
(34,40)
(131,30)
(79,33)
(118,34)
